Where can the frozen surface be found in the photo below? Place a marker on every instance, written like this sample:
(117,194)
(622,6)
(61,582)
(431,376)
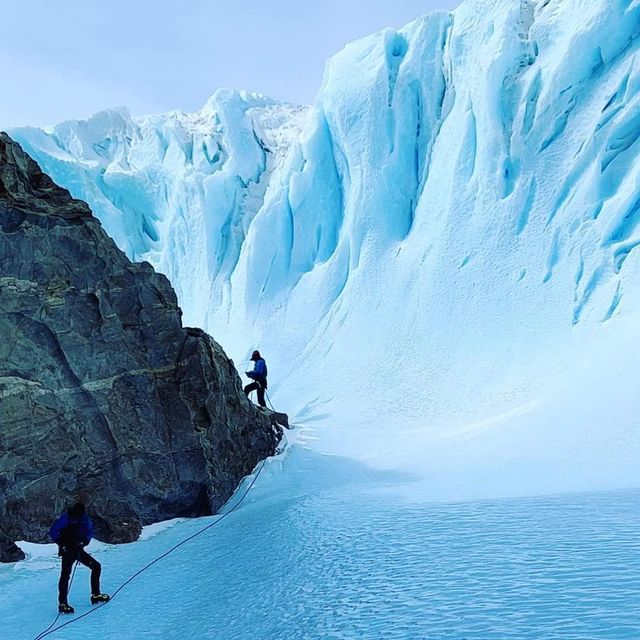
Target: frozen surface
(439,258)
(325,548)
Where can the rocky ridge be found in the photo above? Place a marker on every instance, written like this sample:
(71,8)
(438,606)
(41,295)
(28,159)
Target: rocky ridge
(103,393)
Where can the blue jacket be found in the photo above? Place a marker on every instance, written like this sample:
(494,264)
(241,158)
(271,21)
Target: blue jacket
(66,531)
(259,372)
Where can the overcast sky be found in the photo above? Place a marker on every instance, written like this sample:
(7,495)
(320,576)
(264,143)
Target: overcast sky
(62,59)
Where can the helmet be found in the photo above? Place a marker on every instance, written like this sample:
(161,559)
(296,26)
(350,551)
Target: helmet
(256,355)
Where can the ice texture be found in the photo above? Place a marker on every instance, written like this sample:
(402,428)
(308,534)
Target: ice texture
(178,190)
(439,258)
(324,549)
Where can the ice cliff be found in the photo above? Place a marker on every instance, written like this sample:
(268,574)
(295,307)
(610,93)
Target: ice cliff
(440,256)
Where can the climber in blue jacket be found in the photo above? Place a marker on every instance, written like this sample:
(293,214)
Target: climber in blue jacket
(259,377)
(73,531)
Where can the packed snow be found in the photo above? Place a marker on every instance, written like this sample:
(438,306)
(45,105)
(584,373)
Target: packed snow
(438,259)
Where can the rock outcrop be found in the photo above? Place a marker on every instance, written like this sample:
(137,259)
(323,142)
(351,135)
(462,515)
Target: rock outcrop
(103,393)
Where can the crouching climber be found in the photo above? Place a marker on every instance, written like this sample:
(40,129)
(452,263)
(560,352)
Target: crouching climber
(259,377)
(73,531)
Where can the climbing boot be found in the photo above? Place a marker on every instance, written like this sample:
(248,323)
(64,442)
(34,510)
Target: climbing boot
(99,598)
(63,607)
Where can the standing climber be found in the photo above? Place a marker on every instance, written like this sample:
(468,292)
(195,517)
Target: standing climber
(259,377)
(73,531)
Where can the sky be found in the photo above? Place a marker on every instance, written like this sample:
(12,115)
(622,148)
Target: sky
(63,59)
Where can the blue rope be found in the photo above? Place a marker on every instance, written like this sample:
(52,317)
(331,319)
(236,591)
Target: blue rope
(49,630)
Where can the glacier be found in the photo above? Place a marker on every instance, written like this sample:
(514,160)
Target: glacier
(178,190)
(438,258)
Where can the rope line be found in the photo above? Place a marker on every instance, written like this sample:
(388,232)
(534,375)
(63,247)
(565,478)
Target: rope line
(75,566)
(49,630)
(266,393)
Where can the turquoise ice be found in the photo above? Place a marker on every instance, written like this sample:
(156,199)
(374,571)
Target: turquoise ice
(325,548)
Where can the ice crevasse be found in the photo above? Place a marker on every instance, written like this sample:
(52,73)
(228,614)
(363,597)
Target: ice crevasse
(440,256)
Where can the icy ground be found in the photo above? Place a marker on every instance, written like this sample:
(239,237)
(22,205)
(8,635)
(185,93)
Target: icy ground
(324,548)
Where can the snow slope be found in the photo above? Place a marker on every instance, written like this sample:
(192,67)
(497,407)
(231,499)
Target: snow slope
(439,259)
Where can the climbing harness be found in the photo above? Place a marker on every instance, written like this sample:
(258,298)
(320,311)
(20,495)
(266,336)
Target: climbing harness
(52,628)
(266,393)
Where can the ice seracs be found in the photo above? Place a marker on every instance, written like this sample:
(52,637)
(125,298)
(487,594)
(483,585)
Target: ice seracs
(179,189)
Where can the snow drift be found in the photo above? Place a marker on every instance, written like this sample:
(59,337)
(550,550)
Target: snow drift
(439,258)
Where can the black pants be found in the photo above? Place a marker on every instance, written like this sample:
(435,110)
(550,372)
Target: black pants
(68,560)
(256,386)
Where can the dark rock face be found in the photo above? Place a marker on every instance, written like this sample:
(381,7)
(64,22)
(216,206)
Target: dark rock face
(103,394)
